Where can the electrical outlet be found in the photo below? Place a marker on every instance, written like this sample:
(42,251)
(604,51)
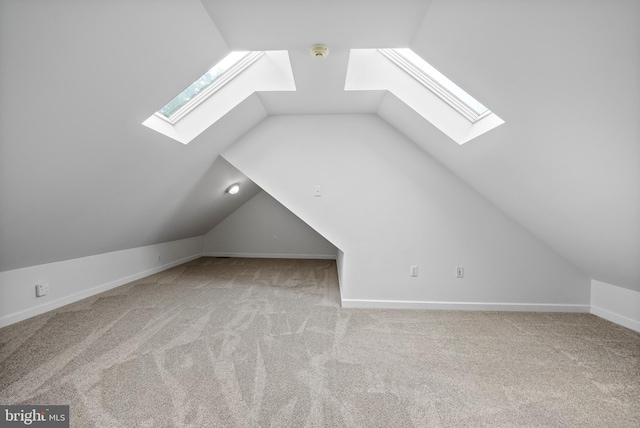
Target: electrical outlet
(459,272)
(413,271)
(158,257)
(42,289)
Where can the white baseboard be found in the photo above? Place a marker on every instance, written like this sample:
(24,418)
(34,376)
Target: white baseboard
(76,279)
(464,306)
(616,304)
(273,256)
(54,304)
(616,318)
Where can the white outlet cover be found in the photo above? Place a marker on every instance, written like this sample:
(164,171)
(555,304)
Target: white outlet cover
(413,271)
(42,289)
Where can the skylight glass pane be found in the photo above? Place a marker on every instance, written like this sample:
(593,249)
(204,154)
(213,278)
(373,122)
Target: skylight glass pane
(454,89)
(202,83)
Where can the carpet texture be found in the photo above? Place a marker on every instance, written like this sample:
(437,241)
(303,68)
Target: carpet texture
(264,343)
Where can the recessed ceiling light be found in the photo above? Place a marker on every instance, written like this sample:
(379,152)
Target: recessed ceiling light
(233,189)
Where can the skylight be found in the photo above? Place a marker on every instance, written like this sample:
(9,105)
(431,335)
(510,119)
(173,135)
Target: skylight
(437,83)
(220,90)
(207,84)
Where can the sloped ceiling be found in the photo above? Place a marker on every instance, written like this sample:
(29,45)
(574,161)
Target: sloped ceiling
(565,78)
(80,175)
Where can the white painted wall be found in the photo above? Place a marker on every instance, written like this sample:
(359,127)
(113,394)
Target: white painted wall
(566,163)
(616,304)
(73,280)
(388,205)
(90,179)
(340,268)
(250,232)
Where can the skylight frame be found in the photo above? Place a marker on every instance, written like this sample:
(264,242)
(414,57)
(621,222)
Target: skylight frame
(220,81)
(438,87)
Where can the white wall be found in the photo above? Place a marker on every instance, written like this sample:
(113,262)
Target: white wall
(566,164)
(250,231)
(388,205)
(616,304)
(75,279)
(93,179)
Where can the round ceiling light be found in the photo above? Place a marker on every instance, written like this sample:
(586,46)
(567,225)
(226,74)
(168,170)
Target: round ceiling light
(319,51)
(233,189)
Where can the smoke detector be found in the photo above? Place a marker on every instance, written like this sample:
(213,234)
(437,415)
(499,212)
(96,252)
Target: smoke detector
(319,51)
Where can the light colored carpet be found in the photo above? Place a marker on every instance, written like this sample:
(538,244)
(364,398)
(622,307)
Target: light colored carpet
(247,342)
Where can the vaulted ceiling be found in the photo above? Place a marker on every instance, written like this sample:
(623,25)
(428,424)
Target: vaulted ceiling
(80,175)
